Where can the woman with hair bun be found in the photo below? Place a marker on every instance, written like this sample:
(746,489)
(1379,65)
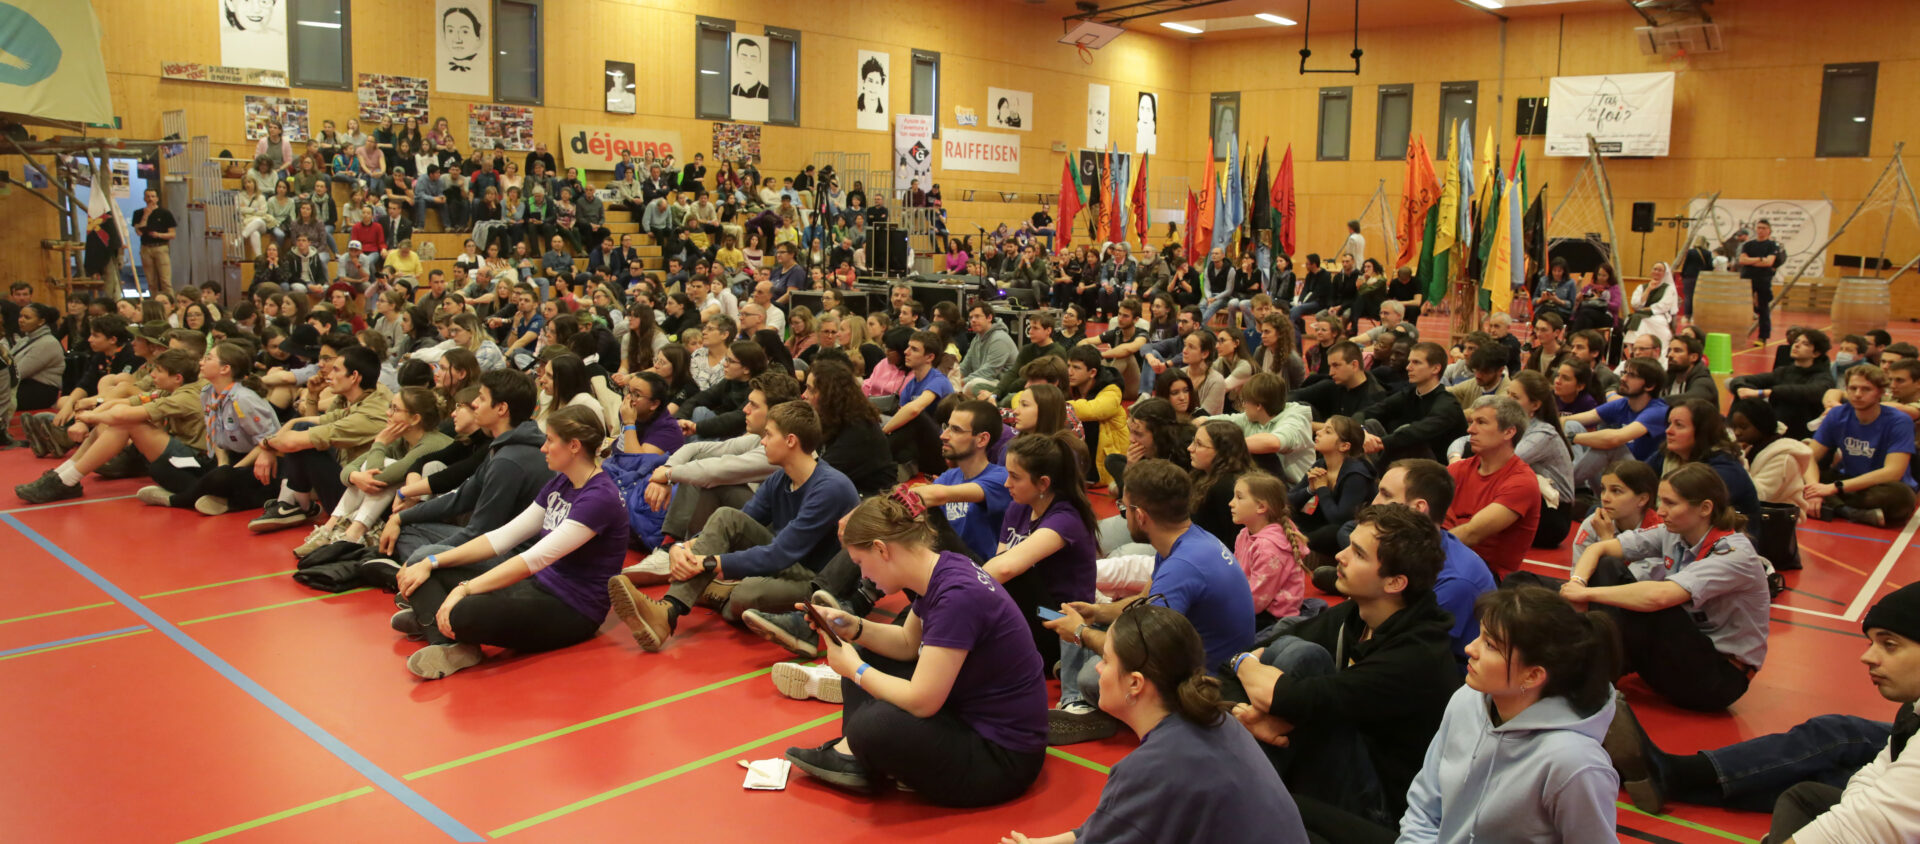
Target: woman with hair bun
(1197,775)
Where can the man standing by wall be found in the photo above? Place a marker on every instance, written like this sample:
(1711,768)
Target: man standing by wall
(1759,259)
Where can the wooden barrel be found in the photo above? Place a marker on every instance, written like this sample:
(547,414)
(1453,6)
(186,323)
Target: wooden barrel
(1861,305)
(1723,304)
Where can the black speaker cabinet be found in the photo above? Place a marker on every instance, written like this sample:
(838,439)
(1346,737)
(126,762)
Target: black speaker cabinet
(1643,216)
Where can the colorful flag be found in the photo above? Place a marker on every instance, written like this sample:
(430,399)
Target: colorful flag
(1235,205)
(1117,221)
(1420,193)
(1103,176)
(1260,213)
(1464,167)
(1448,229)
(1504,271)
(1072,197)
(1193,215)
(1205,211)
(1283,202)
(1140,220)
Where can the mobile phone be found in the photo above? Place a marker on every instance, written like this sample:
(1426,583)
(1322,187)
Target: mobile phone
(1047,614)
(820,623)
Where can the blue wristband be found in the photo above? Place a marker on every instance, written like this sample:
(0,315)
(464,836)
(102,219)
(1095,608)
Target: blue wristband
(857,672)
(433,561)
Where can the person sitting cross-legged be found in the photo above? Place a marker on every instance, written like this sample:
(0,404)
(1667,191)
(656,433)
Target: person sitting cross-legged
(950,704)
(1496,500)
(1862,456)
(1630,427)
(762,556)
(238,420)
(544,598)
(913,431)
(166,425)
(701,477)
(372,480)
(309,450)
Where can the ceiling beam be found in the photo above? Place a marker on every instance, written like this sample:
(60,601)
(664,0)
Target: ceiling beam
(1116,15)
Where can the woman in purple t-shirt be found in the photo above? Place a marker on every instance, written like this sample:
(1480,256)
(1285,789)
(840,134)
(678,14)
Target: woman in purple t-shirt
(966,724)
(1046,548)
(647,427)
(549,596)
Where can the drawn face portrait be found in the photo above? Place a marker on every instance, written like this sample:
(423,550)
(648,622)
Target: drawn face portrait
(873,87)
(250,15)
(460,29)
(1004,109)
(1097,119)
(1149,113)
(748,54)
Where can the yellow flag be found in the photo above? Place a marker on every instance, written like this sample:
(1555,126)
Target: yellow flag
(1449,223)
(1497,276)
(1483,182)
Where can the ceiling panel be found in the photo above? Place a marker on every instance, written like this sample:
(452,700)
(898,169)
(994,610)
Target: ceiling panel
(1234,19)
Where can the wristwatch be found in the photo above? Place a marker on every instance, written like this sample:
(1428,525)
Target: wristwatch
(1840,486)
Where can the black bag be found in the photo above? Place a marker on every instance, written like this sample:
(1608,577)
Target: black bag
(1772,532)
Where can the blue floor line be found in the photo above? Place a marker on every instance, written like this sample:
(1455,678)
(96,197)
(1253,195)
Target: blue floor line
(1848,535)
(365,767)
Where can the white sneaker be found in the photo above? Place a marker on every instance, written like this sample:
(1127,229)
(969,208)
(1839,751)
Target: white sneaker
(321,537)
(651,571)
(801,681)
(154,496)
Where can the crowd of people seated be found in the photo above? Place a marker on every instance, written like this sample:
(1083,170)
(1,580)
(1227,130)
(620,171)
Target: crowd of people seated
(1310,605)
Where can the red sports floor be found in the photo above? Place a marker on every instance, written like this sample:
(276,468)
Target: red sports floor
(167,681)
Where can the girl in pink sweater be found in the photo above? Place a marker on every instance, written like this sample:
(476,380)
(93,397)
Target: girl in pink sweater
(1269,551)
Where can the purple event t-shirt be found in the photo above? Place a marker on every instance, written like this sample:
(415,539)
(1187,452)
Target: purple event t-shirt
(580,578)
(1068,572)
(663,433)
(1000,691)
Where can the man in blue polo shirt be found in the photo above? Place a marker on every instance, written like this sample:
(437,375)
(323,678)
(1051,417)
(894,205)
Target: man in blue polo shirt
(1193,574)
(973,492)
(1870,481)
(912,431)
(1630,427)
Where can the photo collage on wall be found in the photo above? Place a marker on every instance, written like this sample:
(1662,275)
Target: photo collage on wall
(289,112)
(736,142)
(399,97)
(500,127)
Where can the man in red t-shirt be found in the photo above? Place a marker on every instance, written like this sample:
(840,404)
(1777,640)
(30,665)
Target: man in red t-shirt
(1496,499)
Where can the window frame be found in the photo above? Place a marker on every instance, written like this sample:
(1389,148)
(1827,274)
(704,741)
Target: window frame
(294,79)
(1387,92)
(539,53)
(792,37)
(1343,93)
(1871,72)
(916,57)
(1471,88)
(701,26)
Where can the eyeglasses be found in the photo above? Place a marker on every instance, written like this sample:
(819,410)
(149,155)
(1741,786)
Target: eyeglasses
(1146,653)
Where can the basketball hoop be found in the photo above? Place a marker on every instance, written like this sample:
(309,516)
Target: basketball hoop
(1086,55)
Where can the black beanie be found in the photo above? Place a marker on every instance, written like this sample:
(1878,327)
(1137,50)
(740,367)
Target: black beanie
(1899,612)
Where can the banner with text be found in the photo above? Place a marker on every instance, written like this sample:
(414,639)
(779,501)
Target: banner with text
(600,147)
(981,152)
(1799,225)
(1626,113)
(912,150)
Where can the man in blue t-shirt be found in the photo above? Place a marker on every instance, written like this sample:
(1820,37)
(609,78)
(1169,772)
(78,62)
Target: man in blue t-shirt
(1193,574)
(973,492)
(912,432)
(1425,486)
(1862,456)
(1631,427)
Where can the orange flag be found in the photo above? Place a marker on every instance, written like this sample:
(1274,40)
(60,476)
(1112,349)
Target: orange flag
(1421,192)
(1203,227)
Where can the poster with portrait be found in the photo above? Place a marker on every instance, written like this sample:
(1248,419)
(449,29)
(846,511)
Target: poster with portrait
(736,142)
(1224,122)
(912,149)
(253,33)
(870,95)
(1146,124)
(1010,109)
(619,85)
(384,96)
(1098,98)
(749,64)
(462,63)
(500,127)
(289,112)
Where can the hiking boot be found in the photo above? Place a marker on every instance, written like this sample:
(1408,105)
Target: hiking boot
(380,572)
(1630,751)
(127,464)
(789,630)
(716,594)
(210,505)
(646,618)
(155,496)
(650,571)
(46,489)
(407,624)
(1078,723)
(321,537)
(807,682)
(49,440)
(832,767)
(1325,579)
(436,661)
(29,428)
(279,515)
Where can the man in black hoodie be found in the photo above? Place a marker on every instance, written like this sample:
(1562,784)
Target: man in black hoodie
(1416,421)
(1353,696)
(499,490)
(1797,389)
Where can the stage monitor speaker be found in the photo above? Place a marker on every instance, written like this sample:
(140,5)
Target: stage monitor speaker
(1643,216)
(888,250)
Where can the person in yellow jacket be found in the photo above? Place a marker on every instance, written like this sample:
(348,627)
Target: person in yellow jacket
(1094,395)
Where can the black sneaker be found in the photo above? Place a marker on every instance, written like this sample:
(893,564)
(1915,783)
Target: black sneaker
(832,767)
(1630,751)
(42,434)
(279,515)
(1079,723)
(407,624)
(47,488)
(789,630)
(1325,579)
(127,464)
(1869,516)
(380,572)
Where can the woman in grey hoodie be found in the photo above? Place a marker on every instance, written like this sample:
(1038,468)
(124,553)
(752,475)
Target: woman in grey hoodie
(38,361)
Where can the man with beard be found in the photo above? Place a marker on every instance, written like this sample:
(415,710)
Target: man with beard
(974,491)
(1687,375)
(1631,427)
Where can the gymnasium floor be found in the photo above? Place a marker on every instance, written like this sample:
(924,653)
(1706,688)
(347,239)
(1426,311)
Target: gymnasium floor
(187,689)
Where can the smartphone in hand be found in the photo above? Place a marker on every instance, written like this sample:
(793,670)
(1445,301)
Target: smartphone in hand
(1048,614)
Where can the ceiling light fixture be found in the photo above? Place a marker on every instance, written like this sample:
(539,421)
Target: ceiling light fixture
(1181,27)
(320,24)
(1276,20)
(1488,4)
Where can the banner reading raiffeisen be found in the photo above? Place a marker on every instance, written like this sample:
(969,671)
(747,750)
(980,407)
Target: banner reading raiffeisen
(1626,113)
(981,152)
(600,147)
(50,65)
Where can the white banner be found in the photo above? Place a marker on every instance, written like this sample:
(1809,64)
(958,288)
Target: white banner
(462,62)
(252,34)
(870,93)
(52,66)
(601,147)
(912,150)
(1098,98)
(1800,226)
(750,94)
(1009,109)
(1626,113)
(980,152)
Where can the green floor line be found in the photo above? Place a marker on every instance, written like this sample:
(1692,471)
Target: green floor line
(1089,764)
(51,648)
(56,612)
(1696,827)
(221,583)
(291,603)
(663,776)
(267,819)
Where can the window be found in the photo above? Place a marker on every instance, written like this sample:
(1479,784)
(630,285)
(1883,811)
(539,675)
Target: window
(783,78)
(321,52)
(1336,119)
(517,37)
(1395,122)
(1456,106)
(1223,118)
(1846,110)
(711,55)
(926,86)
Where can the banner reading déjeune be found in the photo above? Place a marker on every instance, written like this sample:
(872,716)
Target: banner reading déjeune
(981,152)
(1626,113)
(600,147)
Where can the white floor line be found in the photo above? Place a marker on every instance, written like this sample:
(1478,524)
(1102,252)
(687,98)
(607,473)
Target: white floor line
(1879,576)
(66,504)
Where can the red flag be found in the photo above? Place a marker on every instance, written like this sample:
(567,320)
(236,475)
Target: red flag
(1203,237)
(1140,201)
(1282,199)
(1193,213)
(1421,192)
(1104,219)
(1069,205)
